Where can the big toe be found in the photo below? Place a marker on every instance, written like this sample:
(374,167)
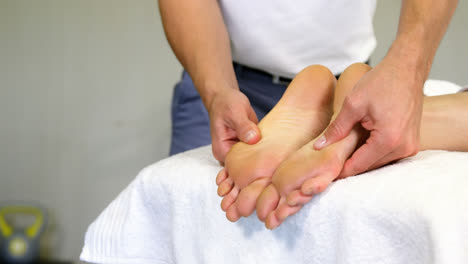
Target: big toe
(284,210)
(277,217)
(293,172)
(248,196)
(317,184)
(296,197)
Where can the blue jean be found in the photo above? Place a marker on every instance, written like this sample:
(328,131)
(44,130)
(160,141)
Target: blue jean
(190,121)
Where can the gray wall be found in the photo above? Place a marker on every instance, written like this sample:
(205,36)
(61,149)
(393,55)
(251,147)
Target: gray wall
(451,61)
(84,105)
(85,90)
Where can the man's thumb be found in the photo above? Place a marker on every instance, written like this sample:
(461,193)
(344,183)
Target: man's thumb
(247,131)
(336,130)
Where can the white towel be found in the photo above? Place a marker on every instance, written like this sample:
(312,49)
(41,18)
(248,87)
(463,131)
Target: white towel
(440,87)
(415,211)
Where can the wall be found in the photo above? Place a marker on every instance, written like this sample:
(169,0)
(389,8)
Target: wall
(451,59)
(85,90)
(84,105)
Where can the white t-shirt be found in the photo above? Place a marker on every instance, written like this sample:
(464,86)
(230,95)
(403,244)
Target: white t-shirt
(282,37)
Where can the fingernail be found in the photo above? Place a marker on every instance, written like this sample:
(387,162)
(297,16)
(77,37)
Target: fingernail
(320,143)
(250,135)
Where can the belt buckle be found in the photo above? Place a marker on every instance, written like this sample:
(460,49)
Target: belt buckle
(277,80)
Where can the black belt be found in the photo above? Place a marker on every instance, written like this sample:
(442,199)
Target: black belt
(274,78)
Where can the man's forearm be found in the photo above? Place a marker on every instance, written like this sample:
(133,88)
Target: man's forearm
(421,27)
(199,39)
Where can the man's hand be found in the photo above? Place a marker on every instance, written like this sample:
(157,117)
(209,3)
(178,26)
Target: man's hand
(232,119)
(387,102)
(199,38)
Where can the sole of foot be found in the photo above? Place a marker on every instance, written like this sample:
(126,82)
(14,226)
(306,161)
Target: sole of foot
(308,172)
(300,115)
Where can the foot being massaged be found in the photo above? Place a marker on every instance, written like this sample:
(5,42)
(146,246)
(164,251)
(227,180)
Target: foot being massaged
(283,171)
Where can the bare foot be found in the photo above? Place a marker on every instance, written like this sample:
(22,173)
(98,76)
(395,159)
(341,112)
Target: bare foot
(301,114)
(308,172)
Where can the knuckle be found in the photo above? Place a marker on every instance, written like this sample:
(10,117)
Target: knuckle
(410,150)
(335,130)
(391,140)
(351,103)
(246,125)
(237,116)
(230,110)
(245,100)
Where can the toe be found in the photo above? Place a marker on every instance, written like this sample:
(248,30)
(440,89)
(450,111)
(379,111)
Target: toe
(316,185)
(271,222)
(248,196)
(277,217)
(267,202)
(222,175)
(229,199)
(297,198)
(284,210)
(225,187)
(294,171)
(232,214)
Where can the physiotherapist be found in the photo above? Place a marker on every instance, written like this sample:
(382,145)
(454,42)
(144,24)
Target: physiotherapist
(240,55)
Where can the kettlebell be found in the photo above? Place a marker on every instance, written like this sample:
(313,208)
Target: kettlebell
(20,245)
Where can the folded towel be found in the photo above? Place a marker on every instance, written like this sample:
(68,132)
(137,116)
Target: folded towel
(414,211)
(440,87)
